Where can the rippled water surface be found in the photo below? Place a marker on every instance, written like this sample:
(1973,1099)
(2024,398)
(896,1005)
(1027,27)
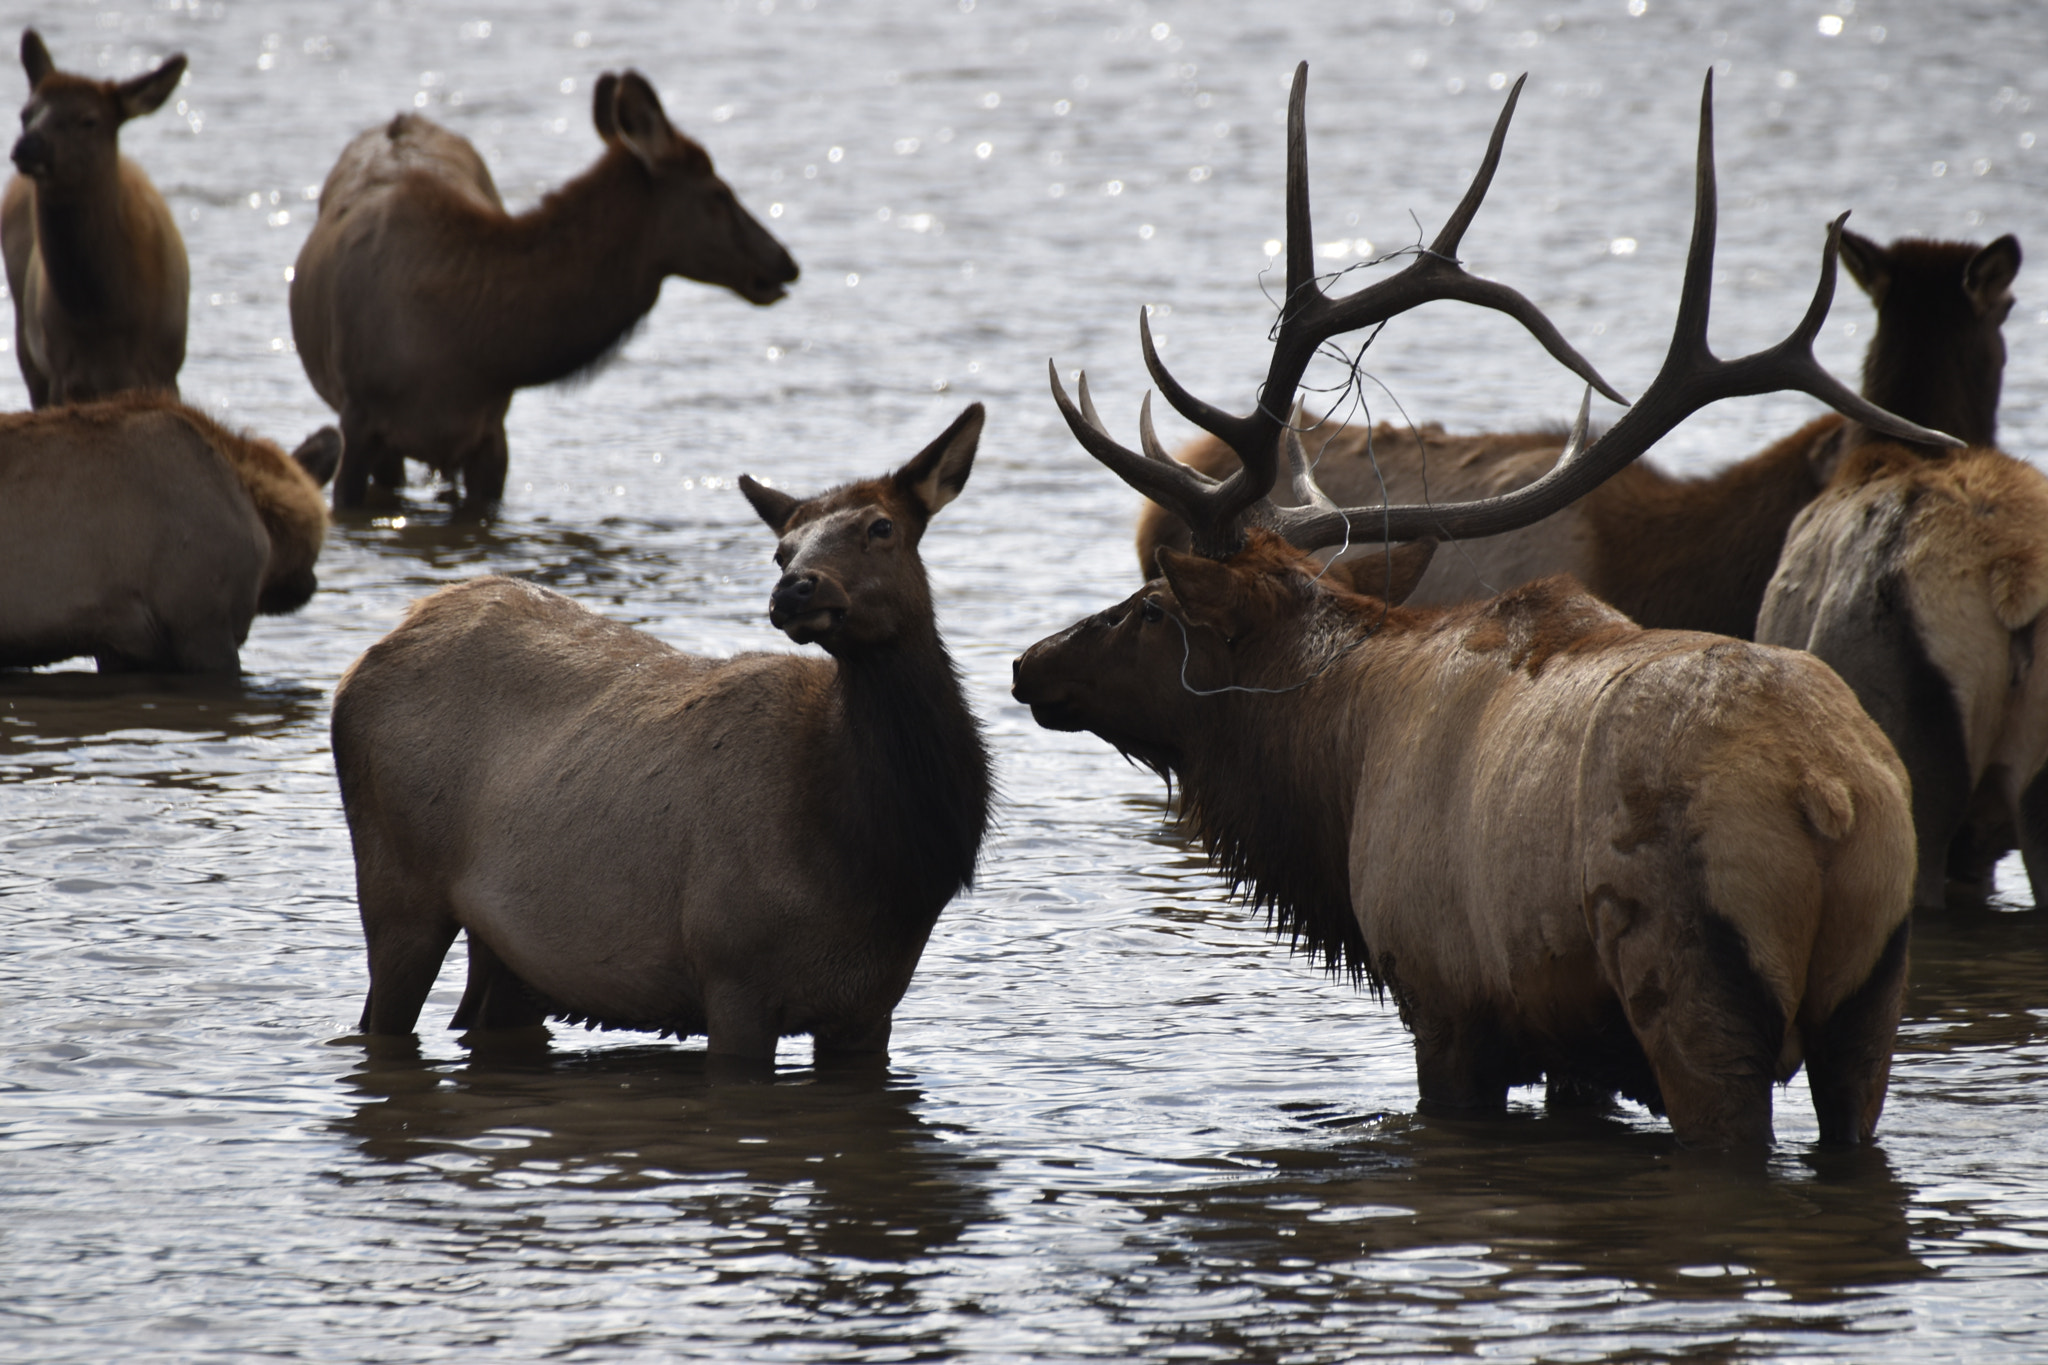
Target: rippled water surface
(1121,1120)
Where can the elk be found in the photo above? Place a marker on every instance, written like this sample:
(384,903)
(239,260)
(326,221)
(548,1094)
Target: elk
(145,534)
(1663,864)
(633,837)
(95,264)
(1686,553)
(419,305)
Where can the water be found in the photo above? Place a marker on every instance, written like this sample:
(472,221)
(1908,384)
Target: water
(1121,1120)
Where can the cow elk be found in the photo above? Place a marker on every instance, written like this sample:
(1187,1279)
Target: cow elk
(745,848)
(141,532)
(94,263)
(1663,864)
(1685,553)
(419,305)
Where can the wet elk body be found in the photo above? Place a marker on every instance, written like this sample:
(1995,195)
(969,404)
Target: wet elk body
(95,265)
(1686,553)
(1662,863)
(140,532)
(419,305)
(1669,864)
(746,848)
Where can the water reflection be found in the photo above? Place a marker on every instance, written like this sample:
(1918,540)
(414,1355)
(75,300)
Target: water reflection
(812,1165)
(48,712)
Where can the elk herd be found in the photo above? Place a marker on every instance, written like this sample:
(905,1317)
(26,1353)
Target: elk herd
(1613,780)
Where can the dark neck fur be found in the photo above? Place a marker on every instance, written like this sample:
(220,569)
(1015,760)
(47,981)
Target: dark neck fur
(917,807)
(1283,837)
(79,239)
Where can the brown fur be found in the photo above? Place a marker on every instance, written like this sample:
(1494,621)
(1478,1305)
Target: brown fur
(419,305)
(142,532)
(95,264)
(1569,847)
(632,837)
(1680,553)
(1925,585)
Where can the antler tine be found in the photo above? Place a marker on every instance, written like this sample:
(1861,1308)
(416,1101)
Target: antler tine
(1169,483)
(1691,378)
(1148,441)
(1453,233)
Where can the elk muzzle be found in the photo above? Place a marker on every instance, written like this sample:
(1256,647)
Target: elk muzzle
(807,606)
(32,154)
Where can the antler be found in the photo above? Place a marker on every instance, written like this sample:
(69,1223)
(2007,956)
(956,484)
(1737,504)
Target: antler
(1215,510)
(1692,377)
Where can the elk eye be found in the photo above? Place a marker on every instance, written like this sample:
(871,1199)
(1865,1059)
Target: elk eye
(781,557)
(882,529)
(1151,611)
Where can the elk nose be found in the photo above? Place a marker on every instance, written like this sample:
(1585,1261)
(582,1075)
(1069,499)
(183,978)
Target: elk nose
(793,593)
(30,154)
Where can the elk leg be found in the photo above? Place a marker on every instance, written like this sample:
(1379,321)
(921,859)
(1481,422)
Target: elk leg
(1459,1063)
(2033,834)
(407,930)
(494,997)
(740,1027)
(483,474)
(1849,1055)
(855,1047)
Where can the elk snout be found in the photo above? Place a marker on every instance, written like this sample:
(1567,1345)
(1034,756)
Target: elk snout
(32,154)
(806,606)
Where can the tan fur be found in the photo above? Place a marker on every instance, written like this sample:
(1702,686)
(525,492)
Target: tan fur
(144,534)
(419,305)
(1551,820)
(95,265)
(633,837)
(1961,545)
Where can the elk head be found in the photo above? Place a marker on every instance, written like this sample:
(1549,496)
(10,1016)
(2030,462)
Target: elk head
(702,230)
(851,576)
(1939,352)
(70,127)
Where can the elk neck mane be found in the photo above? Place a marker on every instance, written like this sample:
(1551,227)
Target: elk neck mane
(1282,840)
(917,807)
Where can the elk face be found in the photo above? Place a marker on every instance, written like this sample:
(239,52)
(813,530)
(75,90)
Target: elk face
(70,126)
(851,576)
(701,230)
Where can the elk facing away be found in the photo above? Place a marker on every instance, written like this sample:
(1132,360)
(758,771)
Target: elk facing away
(419,305)
(141,532)
(94,263)
(1665,864)
(632,837)
(1688,553)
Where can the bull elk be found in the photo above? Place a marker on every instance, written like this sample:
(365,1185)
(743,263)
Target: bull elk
(1686,553)
(95,265)
(633,837)
(143,533)
(1663,864)
(419,305)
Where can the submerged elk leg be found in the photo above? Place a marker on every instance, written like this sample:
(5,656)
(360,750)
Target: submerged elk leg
(483,473)
(853,1047)
(407,929)
(494,997)
(1849,1055)
(1460,1063)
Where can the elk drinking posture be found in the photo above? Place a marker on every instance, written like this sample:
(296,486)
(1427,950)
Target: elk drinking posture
(419,305)
(1687,553)
(94,263)
(143,533)
(1666,864)
(636,838)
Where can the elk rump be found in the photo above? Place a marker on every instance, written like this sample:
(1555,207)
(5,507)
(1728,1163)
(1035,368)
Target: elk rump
(143,533)
(632,837)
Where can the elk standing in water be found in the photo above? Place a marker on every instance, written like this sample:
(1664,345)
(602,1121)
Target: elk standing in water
(632,837)
(141,532)
(1661,863)
(1684,553)
(419,305)
(94,263)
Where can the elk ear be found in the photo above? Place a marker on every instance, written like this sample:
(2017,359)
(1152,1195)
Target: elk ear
(320,454)
(1392,575)
(1868,264)
(143,94)
(935,476)
(1988,278)
(602,110)
(643,129)
(1206,589)
(35,58)
(775,507)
